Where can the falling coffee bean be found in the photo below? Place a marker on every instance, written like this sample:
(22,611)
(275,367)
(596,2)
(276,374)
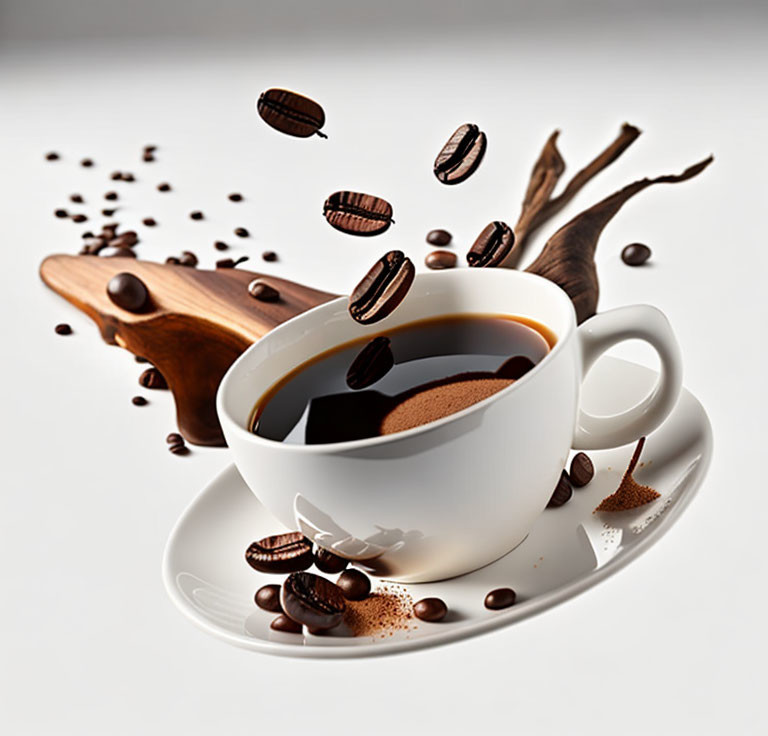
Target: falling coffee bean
(438,260)
(582,470)
(152,378)
(63,329)
(147,156)
(116,175)
(79,218)
(110,195)
(262,291)
(285,625)
(516,367)
(372,363)
(241,232)
(291,113)
(269,256)
(268,598)
(430,609)
(77,198)
(312,600)
(196,215)
(61,213)
(500,598)
(461,155)
(562,493)
(128,292)
(438,237)
(635,254)
(280,553)
(491,246)
(149,221)
(355,585)
(87,162)
(326,561)
(220,245)
(174,438)
(139,401)
(164,187)
(235,197)
(150,148)
(358,214)
(52,156)
(382,288)
(108,212)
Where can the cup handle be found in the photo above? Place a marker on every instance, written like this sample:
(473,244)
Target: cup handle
(603,331)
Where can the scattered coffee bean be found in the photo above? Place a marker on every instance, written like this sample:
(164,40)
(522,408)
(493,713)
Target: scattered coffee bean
(79,218)
(93,246)
(231,263)
(127,176)
(77,198)
(150,148)
(87,234)
(500,598)
(149,221)
(188,258)
(139,401)
(164,187)
(178,449)
(372,363)
(110,195)
(87,162)
(268,598)
(220,245)
(125,240)
(281,553)
(461,155)
(241,232)
(358,214)
(196,215)
(291,113)
(173,261)
(61,213)
(109,230)
(382,288)
(437,260)
(326,561)
(312,600)
(285,625)
(635,254)
(147,156)
(438,237)
(516,367)
(582,470)
(355,585)
(52,156)
(108,212)
(262,291)
(430,609)
(235,197)
(116,175)
(174,438)
(117,252)
(269,256)
(63,329)
(152,378)
(491,246)
(562,493)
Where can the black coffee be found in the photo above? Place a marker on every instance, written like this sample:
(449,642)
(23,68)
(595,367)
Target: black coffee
(400,379)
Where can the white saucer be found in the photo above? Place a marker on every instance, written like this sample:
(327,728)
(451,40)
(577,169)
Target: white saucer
(568,551)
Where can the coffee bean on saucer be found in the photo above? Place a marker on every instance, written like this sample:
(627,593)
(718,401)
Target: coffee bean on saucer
(61,213)
(179,449)
(235,197)
(188,258)
(582,470)
(326,561)
(52,156)
(562,493)
(382,288)
(196,215)
(373,362)
(128,292)
(152,378)
(312,600)
(149,221)
(516,367)
(635,254)
(139,401)
(430,609)
(63,329)
(461,155)
(500,598)
(79,218)
(220,245)
(268,598)
(492,246)
(437,260)
(87,162)
(269,256)
(438,237)
(285,625)
(358,214)
(241,232)
(108,212)
(164,187)
(355,585)
(174,438)
(291,113)
(262,291)
(77,198)
(281,553)
(110,195)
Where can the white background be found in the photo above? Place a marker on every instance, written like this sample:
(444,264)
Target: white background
(89,642)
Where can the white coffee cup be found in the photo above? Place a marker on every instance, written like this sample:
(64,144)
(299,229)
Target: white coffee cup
(453,495)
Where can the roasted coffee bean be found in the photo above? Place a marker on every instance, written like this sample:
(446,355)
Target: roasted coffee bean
(87,234)
(382,288)
(108,212)
(188,258)
(173,261)
(312,600)
(235,197)
(93,246)
(63,329)
(491,246)
(269,256)
(268,598)
(152,378)
(61,213)
(150,148)
(262,291)
(196,215)
(582,470)
(119,252)
(562,493)
(500,598)
(430,609)
(79,218)
(291,113)
(128,292)
(438,237)
(179,449)
(127,176)
(326,561)
(285,625)
(116,175)
(174,438)
(280,553)
(437,260)
(149,221)
(355,585)
(139,401)
(220,245)
(87,162)
(125,240)
(52,156)
(461,155)
(164,187)
(110,195)
(358,214)
(147,156)
(109,230)
(635,254)
(77,198)
(372,363)
(516,367)
(231,263)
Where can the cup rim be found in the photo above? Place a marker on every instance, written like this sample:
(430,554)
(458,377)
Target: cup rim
(406,434)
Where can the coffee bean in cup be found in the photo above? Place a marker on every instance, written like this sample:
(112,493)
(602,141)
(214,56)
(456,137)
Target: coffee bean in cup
(382,288)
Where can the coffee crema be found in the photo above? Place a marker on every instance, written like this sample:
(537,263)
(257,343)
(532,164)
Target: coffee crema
(400,379)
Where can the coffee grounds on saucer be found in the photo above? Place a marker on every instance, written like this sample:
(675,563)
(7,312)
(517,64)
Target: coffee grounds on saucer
(630,494)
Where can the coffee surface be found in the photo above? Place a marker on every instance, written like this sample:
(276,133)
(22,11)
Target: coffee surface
(437,367)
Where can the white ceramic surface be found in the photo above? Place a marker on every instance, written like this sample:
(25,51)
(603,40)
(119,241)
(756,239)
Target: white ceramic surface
(426,504)
(569,550)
